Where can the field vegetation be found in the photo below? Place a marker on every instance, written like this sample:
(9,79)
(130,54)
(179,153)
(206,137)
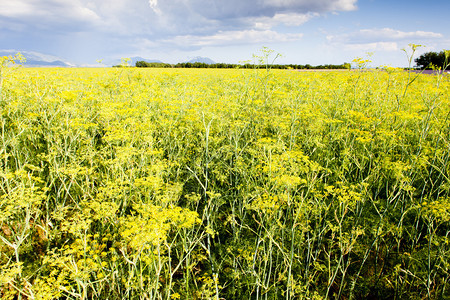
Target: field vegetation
(143,64)
(145,183)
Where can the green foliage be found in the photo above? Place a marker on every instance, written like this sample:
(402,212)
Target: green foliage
(433,60)
(224,184)
(143,64)
(6,62)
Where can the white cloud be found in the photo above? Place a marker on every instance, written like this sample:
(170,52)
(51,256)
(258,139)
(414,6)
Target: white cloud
(377,46)
(14,9)
(239,15)
(49,13)
(392,34)
(167,16)
(288,19)
(313,5)
(77,26)
(219,9)
(385,39)
(382,35)
(154,6)
(343,5)
(233,38)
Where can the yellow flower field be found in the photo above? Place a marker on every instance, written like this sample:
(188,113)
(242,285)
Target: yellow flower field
(129,183)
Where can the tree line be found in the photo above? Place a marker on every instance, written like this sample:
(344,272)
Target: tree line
(144,64)
(433,60)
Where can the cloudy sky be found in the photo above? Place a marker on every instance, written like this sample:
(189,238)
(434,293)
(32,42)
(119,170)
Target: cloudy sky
(303,31)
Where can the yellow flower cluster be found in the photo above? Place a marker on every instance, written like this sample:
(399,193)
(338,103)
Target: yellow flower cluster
(126,183)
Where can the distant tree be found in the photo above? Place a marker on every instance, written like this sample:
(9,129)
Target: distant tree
(429,59)
(144,64)
(141,64)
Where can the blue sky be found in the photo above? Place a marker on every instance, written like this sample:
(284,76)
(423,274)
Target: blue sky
(303,31)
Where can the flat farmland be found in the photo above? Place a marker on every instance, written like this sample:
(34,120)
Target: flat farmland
(129,183)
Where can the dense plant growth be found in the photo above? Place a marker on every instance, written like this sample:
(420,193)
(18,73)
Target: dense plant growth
(433,60)
(224,184)
(143,64)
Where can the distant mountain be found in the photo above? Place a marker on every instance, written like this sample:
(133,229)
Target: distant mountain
(39,63)
(200,59)
(36,59)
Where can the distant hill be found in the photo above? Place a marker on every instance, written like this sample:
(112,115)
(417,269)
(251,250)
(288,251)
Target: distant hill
(39,63)
(200,59)
(134,59)
(36,59)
